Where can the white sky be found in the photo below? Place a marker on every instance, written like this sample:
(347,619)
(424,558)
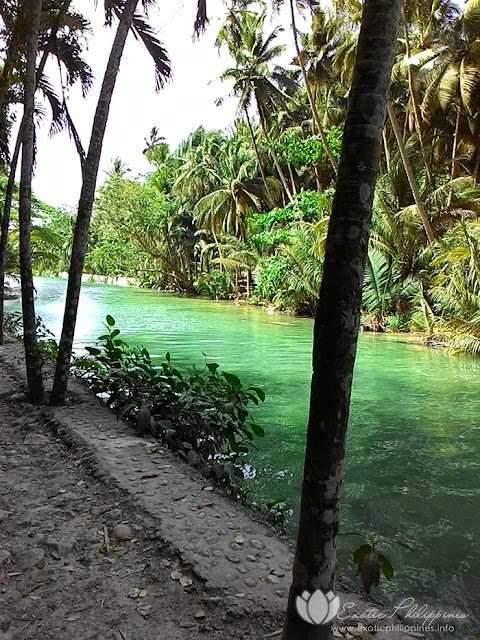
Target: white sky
(185,103)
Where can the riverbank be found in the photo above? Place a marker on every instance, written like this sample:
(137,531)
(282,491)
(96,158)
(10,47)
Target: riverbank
(190,561)
(118,281)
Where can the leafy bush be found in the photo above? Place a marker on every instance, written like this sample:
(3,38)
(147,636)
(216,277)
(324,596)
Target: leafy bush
(217,284)
(398,322)
(300,150)
(272,229)
(12,323)
(200,413)
(270,277)
(371,564)
(47,345)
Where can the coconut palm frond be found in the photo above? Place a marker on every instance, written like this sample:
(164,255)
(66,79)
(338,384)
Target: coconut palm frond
(144,32)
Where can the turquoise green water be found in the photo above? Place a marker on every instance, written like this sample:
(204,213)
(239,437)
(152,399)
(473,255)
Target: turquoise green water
(413,458)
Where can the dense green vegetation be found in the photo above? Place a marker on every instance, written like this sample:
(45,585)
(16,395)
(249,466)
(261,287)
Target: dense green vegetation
(277,211)
(244,213)
(201,413)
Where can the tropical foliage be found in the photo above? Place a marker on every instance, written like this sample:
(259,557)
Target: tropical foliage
(202,414)
(244,213)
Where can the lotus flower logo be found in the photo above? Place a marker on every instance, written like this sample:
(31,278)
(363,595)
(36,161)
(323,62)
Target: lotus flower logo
(317,607)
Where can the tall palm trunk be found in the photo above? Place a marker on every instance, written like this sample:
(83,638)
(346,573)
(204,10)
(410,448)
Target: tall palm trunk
(388,160)
(454,165)
(409,171)
(259,159)
(281,175)
(85,205)
(415,103)
(338,314)
(292,179)
(220,254)
(7,205)
(32,357)
(6,79)
(4,228)
(311,101)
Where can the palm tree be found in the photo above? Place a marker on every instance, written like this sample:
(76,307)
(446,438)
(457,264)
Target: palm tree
(410,173)
(343,62)
(32,357)
(235,256)
(303,253)
(127,20)
(14,36)
(451,71)
(198,173)
(425,25)
(338,314)
(455,291)
(225,208)
(66,48)
(252,76)
(63,44)
(119,168)
(308,88)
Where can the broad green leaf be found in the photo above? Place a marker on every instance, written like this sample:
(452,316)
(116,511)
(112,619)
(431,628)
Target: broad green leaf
(257,430)
(361,552)
(369,569)
(165,424)
(229,407)
(192,457)
(232,379)
(385,566)
(143,418)
(260,392)
(125,409)
(93,351)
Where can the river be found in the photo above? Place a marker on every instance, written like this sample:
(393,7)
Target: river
(413,463)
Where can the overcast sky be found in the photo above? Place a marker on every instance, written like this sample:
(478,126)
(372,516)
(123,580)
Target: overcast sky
(185,103)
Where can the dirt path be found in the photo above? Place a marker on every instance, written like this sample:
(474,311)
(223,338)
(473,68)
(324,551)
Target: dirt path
(65,576)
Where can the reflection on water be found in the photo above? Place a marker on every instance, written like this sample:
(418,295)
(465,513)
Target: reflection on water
(414,439)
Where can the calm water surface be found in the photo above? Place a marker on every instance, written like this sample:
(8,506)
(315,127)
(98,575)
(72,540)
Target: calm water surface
(413,463)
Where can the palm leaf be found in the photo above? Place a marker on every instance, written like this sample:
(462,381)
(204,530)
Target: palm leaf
(56,106)
(143,31)
(201,19)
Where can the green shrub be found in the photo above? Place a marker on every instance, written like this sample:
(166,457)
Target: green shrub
(216,284)
(47,345)
(300,150)
(200,413)
(270,278)
(12,323)
(399,322)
